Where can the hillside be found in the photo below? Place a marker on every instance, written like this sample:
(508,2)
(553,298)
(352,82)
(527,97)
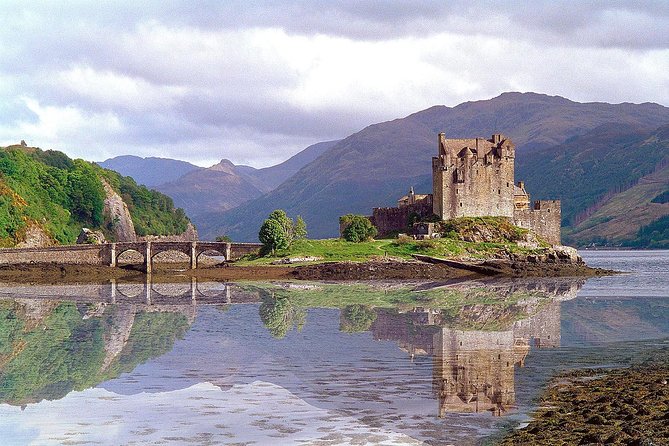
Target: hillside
(378,164)
(210,191)
(607,180)
(48,194)
(148,171)
(214,189)
(268,178)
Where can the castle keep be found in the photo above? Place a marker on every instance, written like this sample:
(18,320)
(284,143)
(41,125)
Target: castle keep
(474,178)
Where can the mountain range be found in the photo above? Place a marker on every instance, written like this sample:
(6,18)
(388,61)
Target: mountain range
(377,165)
(215,189)
(606,162)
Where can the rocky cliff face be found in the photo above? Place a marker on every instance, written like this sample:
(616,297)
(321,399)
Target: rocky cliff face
(117,211)
(35,237)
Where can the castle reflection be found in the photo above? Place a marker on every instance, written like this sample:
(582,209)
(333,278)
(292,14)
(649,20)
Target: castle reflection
(474,359)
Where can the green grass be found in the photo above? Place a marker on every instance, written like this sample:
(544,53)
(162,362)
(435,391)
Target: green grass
(338,250)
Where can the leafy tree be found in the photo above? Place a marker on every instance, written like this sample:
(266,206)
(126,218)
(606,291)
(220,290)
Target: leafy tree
(286,223)
(223,238)
(358,228)
(273,236)
(300,230)
(86,193)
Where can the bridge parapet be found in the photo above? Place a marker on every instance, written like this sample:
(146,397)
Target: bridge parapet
(108,253)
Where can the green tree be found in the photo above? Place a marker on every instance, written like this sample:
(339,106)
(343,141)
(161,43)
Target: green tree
(286,223)
(300,230)
(273,236)
(358,228)
(223,238)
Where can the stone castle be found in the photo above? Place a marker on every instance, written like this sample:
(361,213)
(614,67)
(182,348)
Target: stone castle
(474,178)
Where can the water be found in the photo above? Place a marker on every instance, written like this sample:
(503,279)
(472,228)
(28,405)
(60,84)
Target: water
(213,363)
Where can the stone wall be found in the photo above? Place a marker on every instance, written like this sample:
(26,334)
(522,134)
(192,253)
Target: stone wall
(473,177)
(543,218)
(75,254)
(389,220)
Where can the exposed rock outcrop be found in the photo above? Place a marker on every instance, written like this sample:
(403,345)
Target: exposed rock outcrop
(35,237)
(90,237)
(117,212)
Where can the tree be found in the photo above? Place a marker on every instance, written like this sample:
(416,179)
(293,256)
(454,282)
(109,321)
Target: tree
(273,236)
(358,228)
(286,223)
(223,238)
(300,229)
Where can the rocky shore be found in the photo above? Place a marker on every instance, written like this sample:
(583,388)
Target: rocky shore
(595,406)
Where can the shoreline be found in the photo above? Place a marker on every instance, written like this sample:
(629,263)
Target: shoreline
(331,271)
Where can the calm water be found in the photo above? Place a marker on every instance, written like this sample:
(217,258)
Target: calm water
(218,363)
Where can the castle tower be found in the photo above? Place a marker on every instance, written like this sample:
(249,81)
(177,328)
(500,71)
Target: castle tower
(473,177)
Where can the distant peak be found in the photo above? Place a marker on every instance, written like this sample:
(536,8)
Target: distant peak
(225,165)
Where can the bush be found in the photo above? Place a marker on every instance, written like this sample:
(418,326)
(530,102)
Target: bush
(358,228)
(273,236)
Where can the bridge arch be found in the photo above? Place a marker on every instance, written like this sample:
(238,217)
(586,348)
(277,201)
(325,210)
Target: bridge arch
(128,252)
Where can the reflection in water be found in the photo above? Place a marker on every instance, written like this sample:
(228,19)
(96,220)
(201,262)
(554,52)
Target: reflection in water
(473,370)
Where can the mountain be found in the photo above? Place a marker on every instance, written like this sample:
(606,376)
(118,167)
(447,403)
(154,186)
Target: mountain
(377,165)
(270,177)
(149,171)
(607,179)
(46,197)
(214,189)
(201,191)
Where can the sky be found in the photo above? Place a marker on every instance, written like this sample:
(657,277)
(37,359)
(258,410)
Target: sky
(256,82)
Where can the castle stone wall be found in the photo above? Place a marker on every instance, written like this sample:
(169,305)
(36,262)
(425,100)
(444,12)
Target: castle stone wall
(543,218)
(389,220)
(473,177)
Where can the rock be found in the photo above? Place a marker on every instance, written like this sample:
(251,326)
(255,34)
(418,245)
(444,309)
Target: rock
(567,253)
(89,237)
(117,212)
(35,237)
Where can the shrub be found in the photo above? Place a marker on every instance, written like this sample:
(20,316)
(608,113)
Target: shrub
(358,228)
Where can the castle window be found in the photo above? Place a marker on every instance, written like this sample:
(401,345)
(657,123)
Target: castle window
(507,184)
(460,204)
(499,191)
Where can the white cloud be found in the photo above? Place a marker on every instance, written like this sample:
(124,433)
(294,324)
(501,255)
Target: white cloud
(223,80)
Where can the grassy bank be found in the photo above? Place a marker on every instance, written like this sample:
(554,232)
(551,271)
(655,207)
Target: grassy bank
(337,250)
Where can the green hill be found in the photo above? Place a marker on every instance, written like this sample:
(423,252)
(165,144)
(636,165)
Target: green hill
(45,189)
(611,181)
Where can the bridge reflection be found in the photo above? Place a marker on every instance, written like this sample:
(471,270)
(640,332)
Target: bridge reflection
(189,291)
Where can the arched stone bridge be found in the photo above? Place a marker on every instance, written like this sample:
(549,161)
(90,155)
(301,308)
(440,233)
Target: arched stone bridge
(108,253)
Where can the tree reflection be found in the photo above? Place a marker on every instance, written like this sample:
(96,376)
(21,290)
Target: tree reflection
(356,318)
(280,315)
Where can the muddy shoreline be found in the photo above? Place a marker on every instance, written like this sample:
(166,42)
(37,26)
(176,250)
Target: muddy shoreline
(337,271)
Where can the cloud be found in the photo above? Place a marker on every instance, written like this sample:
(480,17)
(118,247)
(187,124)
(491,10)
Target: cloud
(219,80)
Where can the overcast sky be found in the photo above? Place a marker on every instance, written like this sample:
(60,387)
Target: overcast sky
(256,82)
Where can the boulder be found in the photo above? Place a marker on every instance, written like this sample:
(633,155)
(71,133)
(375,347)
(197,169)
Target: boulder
(90,237)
